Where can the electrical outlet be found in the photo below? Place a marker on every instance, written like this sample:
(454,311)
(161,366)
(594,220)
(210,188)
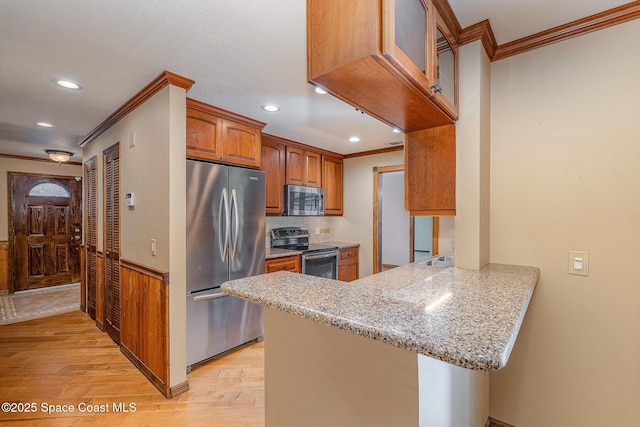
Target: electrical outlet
(578,263)
(153,246)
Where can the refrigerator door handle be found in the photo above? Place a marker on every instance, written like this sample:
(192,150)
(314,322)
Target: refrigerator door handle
(224,247)
(210,296)
(234,207)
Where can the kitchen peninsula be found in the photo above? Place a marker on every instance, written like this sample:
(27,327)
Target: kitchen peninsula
(410,346)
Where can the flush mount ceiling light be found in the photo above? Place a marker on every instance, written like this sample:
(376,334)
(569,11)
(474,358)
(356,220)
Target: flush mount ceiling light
(44,124)
(354,139)
(59,156)
(396,130)
(271,108)
(68,84)
(319,90)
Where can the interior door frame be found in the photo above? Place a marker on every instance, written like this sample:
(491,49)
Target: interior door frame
(377,220)
(10,235)
(377,213)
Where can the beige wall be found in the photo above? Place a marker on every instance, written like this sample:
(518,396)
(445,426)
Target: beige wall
(154,170)
(565,175)
(357,222)
(8,164)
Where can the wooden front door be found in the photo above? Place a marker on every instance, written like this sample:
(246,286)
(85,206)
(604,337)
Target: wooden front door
(45,227)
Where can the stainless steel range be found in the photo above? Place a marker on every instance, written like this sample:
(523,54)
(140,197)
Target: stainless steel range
(316,259)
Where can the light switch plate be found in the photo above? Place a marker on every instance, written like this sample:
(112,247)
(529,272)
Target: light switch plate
(575,258)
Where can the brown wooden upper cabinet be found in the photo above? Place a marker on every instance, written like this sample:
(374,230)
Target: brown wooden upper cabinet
(289,162)
(430,171)
(303,167)
(219,135)
(273,165)
(393,59)
(332,182)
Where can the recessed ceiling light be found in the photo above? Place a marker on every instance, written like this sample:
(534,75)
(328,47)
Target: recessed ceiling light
(270,108)
(354,139)
(396,130)
(44,124)
(68,84)
(319,90)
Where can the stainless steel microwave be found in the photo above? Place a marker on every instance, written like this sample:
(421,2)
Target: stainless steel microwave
(303,201)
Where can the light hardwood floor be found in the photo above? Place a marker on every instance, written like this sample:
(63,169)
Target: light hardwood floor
(66,360)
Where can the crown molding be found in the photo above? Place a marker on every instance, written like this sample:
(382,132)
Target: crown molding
(608,18)
(480,31)
(164,79)
(225,114)
(601,20)
(36,159)
(300,145)
(376,151)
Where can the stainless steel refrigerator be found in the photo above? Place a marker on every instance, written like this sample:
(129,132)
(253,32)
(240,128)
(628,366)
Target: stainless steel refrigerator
(225,241)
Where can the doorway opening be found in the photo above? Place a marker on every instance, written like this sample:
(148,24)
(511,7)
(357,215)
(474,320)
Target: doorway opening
(399,238)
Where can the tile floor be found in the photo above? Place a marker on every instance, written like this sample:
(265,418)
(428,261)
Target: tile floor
(26,305)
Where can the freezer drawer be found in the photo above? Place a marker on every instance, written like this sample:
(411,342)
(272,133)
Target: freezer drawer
(217,323)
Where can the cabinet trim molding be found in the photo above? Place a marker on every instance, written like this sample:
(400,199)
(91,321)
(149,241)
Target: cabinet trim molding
(302,146)
(225,114)
(376,151)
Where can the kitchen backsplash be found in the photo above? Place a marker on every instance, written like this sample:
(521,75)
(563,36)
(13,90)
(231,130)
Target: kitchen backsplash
(320,227)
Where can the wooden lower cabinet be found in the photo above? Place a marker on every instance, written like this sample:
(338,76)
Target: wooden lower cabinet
(289,263)
(348,264)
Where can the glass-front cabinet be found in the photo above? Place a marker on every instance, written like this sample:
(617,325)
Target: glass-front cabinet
(446,77)
(419,43)
(395,60)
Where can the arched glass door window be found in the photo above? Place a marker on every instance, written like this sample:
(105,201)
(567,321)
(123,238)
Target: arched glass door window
(49,189)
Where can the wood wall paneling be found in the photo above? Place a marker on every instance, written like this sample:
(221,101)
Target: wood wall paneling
(144,334)
(4,267)
(83,279)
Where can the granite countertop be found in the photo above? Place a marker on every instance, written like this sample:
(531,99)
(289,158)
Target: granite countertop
(271,253)
(340,245)
(469,318)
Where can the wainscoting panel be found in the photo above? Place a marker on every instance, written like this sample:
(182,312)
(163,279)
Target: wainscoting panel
(144,327)
(4,267)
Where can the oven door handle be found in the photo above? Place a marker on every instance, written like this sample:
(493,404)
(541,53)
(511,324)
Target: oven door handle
(312,257)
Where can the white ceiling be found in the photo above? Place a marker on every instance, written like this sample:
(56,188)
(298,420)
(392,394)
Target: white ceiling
(242,54)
